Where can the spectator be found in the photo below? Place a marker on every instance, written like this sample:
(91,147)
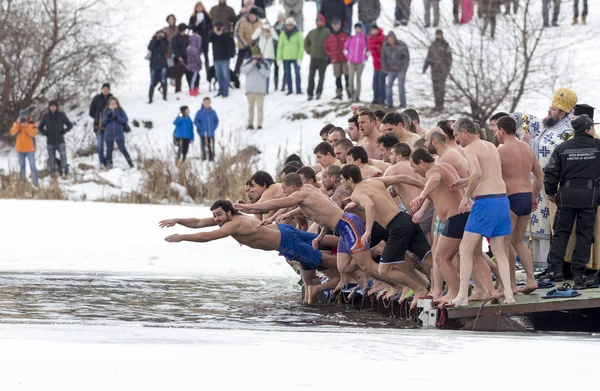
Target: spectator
(184,132)
(207,122)
(257,73)
(96,108)
(170,31)
(194,64)
(515,4)
(115,120)
(314,45)
(54,125)
(394,62)
(179,45)
(201,24)
(257,3)
(278,29)
(575,11)
(375,46)
(249,5)
(546,9)
(290,50)
(334,47)
(439,57)
(293,9)
(266,39)
(243,33)
(224,15)
(436,12)
(223,51)
(356,52)
(26,130)
(456,10)
(488,9)
(347,23)
(402,13)
(158,48)
(368,13)
(332,9)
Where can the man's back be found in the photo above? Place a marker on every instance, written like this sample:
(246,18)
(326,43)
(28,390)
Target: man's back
(456,160)
(517,161)
(385,207)
(485,155)
(406,192)
(318,207)
(446,202)
(247,232)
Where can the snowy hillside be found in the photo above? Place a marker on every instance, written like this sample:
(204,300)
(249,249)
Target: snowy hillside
(281,135)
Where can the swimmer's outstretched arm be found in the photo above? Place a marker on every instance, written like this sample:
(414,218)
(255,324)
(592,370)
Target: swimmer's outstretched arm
(402,178)
(276,203)
(189,223)
(226,230)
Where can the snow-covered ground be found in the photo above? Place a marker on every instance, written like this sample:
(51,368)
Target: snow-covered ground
(280,134)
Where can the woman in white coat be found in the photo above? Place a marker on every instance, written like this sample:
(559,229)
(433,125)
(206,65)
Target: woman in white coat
(266,39)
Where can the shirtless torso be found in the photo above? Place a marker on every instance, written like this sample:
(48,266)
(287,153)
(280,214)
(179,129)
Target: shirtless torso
(274,191)
(385,209)
(245,230)
(407,138)
(380,164)
(445,201)
(484,156)
(457,160)
(368,171)
(517,160)
(370,145)
(406,192)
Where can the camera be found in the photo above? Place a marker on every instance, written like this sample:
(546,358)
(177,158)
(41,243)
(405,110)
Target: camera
(23,120)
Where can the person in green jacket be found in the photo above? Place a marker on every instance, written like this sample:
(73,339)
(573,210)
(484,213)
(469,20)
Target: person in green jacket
(290,50)
(314,45)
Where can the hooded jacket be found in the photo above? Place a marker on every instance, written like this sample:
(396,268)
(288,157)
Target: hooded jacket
(439,57)
(194,54)
(25,133)
(290,45)
(114,121)
(334,46)
(206,122)
(256,76)
(184,127)
(158,52)
(224,14)
(375,45)
(314,43)
(266,41)
(394,58)
(355,49)
(96,108)
(368,10)
(244,30)
(54,126)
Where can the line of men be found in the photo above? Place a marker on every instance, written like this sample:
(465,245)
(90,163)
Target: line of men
(406,209)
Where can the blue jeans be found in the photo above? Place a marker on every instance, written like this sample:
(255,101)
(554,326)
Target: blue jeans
(349,26)
(390,83)
(222,74)
(366,27)
(269,78)
(62,150)
(100,148)
(287,66)
(31,157)
(110,144)
(379,86)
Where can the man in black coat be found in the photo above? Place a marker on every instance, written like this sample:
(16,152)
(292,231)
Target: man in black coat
(333,9)
(158,48)
(96,108)
(575,166)
(54,125)
(439,58)
(179,45)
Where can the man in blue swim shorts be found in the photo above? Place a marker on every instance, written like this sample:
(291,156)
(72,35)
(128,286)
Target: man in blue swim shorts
(490,214)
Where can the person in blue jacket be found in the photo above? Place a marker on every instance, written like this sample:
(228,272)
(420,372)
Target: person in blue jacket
(184,132)
(206,122)
(115,124)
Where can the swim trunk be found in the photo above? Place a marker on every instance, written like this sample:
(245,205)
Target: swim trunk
(521,204)
(455,226)
(438,226)
(490,216)
(404,235)
(350,228)
(296,245)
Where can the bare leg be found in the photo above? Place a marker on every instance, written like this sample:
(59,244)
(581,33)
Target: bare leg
(467,252)
(365,262)
(511,254)
(401,274)
(313,291)
(524,253)
(307,278)
(497,245)
(485,288)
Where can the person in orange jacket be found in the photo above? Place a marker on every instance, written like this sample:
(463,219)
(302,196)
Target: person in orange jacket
(25,130)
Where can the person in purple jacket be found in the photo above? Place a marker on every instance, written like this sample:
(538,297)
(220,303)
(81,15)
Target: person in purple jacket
(357,53)
(115,120)
(184,132)
(194,64)
(206,122)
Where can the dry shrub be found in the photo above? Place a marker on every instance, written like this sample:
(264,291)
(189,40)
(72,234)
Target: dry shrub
(11,186)
(133,197)
(232,170)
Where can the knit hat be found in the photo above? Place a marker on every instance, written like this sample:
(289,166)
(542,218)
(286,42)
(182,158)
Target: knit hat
(255,50)
(53,103)
(24,113)
(107,85)
(183,109)
(290,21)
(320,18)
(564,99)
(254,11)
(581,123)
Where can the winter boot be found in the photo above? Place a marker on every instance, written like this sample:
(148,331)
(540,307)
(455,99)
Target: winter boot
(575,21)
(310,97)
(318,96)
(164,91)
(583,20)
(130,163)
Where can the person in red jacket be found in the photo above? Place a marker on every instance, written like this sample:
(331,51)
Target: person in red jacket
(334,48)
(375,44)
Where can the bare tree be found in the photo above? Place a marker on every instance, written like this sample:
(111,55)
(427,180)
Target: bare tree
(53,50)
(524,59)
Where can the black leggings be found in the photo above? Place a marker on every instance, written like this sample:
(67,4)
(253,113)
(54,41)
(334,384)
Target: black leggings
(208,143)
(184,145)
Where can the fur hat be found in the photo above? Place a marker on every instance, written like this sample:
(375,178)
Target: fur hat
(564,99)
(290,21)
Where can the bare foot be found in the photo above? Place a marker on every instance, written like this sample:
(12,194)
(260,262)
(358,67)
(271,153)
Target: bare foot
(515,290)
(460,302)
(478,296)
(418,294)
(510,300)
(312,293)
(528,288)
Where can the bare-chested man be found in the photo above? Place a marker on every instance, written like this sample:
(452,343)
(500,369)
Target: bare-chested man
(358,156)
(490,215)
(341,149)
(320,209)
(446,126)
(367,122)
(354,132)
(290,242)
(335,135)
(518,163)
(392,123)
(325,155)
(416,121)
(262,188)
(403,234)
(386,143)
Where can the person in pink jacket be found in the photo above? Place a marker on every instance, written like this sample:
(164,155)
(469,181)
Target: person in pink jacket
(357,53)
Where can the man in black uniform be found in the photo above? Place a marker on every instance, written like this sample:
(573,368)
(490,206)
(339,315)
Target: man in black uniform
(575,166)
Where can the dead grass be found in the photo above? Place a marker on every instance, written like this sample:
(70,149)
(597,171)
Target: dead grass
(11,186)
